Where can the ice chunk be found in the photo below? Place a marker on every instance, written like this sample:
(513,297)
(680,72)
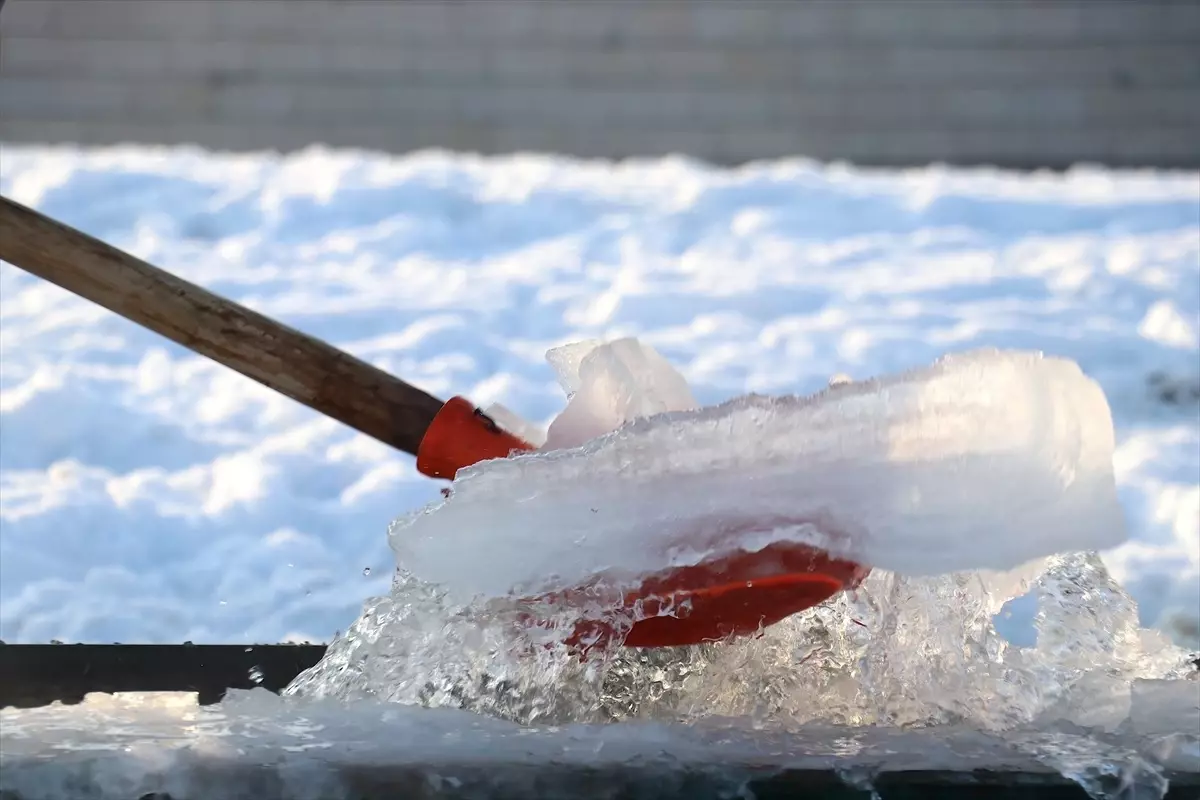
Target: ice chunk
(1083,613)
(1004,585)
(566,361)
(610,385)
(983,460)
(898,651)
(1166,707)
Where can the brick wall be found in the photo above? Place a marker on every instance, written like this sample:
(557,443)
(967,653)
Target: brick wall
(1011,82)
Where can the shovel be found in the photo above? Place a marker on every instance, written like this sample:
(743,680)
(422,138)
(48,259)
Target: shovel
(734,596)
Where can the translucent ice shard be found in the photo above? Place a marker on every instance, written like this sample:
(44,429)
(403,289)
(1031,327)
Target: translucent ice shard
(610,385)
(983,460)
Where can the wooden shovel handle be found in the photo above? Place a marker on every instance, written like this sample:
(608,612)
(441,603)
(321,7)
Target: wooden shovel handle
(292,363)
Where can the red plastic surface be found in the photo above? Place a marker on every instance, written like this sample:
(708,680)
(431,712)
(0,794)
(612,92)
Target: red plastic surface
(460,436)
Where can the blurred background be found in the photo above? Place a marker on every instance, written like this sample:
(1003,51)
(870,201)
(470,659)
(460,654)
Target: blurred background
(1021,83)
(349,168)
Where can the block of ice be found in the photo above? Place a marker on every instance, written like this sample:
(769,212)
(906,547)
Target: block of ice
(610,385)
(1166,707)
(983,460)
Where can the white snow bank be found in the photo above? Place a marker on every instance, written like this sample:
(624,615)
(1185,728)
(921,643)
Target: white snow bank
(149,495)
(984,460)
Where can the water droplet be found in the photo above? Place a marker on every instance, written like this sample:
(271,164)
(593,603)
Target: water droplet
(366,570)
(222,602)
(256,674)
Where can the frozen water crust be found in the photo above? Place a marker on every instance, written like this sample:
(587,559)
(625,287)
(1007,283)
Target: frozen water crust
(983,460)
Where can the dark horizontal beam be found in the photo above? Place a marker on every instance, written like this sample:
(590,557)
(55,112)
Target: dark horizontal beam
(39,674)
(519,781)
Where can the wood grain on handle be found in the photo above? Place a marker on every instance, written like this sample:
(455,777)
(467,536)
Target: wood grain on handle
(305,369)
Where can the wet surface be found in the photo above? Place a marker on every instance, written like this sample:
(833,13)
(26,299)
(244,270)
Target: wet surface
(258,745)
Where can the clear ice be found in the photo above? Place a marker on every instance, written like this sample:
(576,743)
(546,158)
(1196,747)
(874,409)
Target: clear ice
(983,479)
(899,651)
(980,479)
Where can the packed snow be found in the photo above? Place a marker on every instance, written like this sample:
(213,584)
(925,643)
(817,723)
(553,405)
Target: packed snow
(148,495)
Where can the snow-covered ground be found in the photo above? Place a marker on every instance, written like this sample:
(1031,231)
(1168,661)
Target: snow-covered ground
(148,495)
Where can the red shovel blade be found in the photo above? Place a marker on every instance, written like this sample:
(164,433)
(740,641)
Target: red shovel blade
(736,595)
(461,436)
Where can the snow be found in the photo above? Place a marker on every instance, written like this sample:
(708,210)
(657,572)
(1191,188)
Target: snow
(985,460)
(147,495)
